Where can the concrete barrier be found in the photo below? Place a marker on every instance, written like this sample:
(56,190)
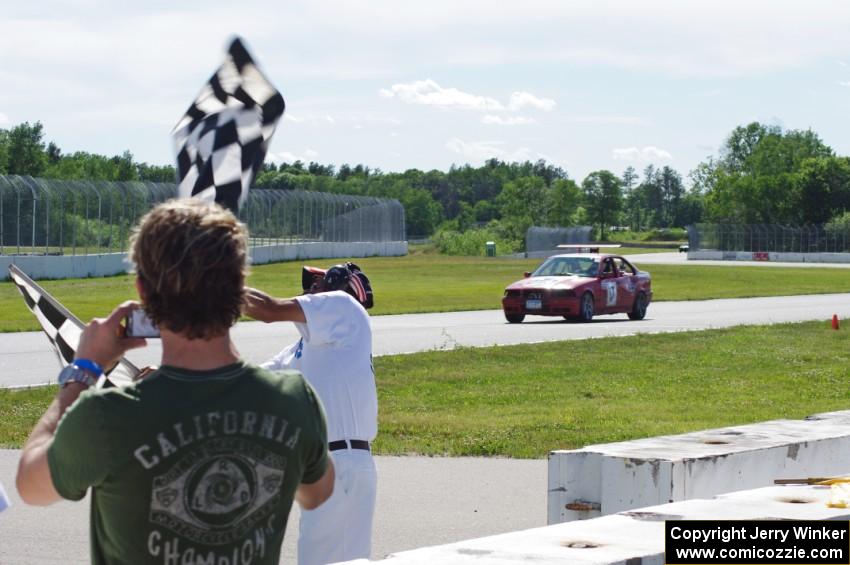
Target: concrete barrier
(85,266)
(325,250)
(603,479)
(65,266)
(628,538)
(782,257)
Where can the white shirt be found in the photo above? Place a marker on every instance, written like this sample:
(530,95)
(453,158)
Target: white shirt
(335,356)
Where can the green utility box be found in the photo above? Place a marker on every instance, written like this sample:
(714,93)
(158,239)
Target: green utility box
(491,248)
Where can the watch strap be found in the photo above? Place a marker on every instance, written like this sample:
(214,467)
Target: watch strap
(90,366)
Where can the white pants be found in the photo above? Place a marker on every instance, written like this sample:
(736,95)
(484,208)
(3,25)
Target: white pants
(341,528)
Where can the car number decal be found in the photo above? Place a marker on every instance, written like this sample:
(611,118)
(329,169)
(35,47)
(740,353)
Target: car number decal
(611,288)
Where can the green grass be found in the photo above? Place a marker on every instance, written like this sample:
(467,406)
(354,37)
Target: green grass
(434,283)
(19,411)
(522,401)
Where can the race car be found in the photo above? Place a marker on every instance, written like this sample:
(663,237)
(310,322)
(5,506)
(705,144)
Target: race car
(579,286)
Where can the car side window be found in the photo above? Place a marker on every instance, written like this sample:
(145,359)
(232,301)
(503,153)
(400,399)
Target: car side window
(609,267)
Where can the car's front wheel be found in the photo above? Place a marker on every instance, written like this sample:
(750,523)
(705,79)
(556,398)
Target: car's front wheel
(639,309)
(585,313)
(514,318)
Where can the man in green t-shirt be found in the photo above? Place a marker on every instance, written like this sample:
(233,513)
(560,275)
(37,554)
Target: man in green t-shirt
(199,461)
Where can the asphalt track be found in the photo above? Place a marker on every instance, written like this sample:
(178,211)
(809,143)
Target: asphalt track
(26,358)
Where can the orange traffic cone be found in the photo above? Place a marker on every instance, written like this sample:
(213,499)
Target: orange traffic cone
(835,324)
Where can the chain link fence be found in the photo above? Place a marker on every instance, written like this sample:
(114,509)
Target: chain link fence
(57,217)
(769,238)
(547,239)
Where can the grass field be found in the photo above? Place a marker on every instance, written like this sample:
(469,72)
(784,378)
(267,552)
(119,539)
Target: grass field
(522,401)
(423,282)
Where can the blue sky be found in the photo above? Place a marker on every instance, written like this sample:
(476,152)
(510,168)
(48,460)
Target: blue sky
(397,85)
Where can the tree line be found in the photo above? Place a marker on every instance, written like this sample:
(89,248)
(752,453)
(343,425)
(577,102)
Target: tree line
(23,151)
(762,174)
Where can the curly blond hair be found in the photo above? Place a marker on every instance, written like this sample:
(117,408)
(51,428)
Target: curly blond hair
(190,257)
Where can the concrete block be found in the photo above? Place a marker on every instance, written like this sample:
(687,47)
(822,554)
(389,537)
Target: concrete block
(598,480)
(773,256)
(633,537)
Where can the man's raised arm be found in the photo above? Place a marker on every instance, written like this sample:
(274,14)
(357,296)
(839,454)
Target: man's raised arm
(265,308)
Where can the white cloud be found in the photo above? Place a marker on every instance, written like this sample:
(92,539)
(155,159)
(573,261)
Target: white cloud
(310,119)
(523,99)
(490,119)
(4,119)
(427,92)
(287,157)
(844,83)
(479,151)
(647,154)
(356,120)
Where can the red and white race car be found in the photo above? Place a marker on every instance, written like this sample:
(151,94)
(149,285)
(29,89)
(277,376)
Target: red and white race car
(579,286)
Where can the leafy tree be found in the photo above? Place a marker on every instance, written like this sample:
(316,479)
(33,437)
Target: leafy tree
(125,169)
(564,199)
(343,173)
(485,210)
(823,187)
(523,203)
(54,154)
(422,214)
(691,209)
(4,151)
(465,217)
(757,179)
(672,191)
(630,179)
(742,142)
(317,169)
(650,196)
(156,173)
(25,153)
(603,197)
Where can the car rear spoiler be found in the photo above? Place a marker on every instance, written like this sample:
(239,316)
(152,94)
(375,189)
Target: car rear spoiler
(587,247)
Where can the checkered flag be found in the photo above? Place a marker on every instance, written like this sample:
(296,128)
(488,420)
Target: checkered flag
(222,140)
(63,329)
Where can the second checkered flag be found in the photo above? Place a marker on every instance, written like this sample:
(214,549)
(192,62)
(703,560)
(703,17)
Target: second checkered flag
(63,329)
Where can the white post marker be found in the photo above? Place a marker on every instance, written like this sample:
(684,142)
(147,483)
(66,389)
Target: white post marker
(4,499)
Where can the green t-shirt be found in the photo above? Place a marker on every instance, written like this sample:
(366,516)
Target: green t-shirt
(191,466)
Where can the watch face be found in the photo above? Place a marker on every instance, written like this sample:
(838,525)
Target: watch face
(72,373)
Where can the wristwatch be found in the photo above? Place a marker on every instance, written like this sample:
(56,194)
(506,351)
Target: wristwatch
(75,374)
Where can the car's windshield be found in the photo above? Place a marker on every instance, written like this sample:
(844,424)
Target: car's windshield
(567,266)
